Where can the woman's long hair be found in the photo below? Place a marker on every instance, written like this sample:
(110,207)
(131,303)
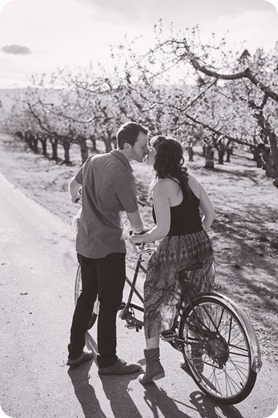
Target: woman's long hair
(168,161)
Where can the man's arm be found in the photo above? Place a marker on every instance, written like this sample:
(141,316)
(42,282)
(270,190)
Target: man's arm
(136,222)
(74,189)
(125,188)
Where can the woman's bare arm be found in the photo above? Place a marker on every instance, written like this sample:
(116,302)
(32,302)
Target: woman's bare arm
(162,213)
(207,209)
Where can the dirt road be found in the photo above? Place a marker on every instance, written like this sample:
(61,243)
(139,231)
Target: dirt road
(37,265)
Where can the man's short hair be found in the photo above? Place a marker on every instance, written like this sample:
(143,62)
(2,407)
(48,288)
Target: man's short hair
(128,133)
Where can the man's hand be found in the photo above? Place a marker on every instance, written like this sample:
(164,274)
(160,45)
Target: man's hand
(74,190)
(76,199)
(135,221)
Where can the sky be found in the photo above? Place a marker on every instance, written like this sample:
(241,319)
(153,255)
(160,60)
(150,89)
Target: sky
(37,36)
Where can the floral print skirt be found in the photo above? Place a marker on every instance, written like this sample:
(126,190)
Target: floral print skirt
(162,287)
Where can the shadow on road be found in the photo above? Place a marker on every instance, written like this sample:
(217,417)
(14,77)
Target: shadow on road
(119,394)
(158,400)
(209,409)
(84,392)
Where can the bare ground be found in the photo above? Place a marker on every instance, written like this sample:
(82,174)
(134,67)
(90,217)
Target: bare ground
(245,231)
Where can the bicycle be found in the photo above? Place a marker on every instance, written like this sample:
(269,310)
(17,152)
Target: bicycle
(129,317)
(216,339)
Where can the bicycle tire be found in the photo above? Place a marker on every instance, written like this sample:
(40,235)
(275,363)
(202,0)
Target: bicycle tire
(219,367)
(77,293)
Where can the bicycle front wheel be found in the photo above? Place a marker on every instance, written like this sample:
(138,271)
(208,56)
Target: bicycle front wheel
(77,285)
(217,350)
(77,293)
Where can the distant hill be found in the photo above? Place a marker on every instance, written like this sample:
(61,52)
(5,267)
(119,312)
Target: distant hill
(8,96)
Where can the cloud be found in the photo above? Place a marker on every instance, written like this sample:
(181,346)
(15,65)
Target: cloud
(181,12)
(16,50)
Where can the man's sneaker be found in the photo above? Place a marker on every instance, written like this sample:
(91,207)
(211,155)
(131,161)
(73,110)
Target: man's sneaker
(81,359)
(120,367)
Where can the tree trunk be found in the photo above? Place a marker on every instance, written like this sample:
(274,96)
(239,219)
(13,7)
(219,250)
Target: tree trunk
(66,146)
(259,161)
(267,161)
(209,158)
(221,154)
(19,135)
(273,140)
(43,141)
(228,154)
(54,145)
(108,143)
(34,142)
(220,146)
(257,153)
(94,142)
(28,138)
(83,148)
(190,153)
(268,133)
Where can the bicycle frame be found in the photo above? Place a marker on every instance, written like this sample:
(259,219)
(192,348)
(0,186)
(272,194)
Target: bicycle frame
(128,308)
(171,336)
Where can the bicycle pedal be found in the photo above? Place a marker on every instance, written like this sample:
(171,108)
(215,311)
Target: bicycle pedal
(131,326)
(168,335)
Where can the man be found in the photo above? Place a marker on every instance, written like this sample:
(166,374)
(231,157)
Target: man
(107,188)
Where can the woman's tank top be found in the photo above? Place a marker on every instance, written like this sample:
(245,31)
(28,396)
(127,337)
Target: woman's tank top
(185,217)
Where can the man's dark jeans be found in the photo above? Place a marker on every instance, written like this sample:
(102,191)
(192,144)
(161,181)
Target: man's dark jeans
(104,277)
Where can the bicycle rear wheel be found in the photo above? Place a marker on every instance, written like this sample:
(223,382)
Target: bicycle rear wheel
(77,293)
(217,350)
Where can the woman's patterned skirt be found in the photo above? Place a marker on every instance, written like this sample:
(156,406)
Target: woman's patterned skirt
(162,287)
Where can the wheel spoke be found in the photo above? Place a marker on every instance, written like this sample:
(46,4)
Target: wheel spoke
(211,320)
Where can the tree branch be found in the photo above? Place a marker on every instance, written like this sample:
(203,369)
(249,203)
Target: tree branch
(237,76)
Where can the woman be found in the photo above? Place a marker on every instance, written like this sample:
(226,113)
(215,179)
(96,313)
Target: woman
(177,198)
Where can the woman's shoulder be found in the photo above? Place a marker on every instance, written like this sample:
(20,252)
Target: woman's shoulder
(159,184)
(167,182)
(163,186)
(192,179)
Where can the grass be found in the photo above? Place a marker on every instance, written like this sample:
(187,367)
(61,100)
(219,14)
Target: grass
(245,231)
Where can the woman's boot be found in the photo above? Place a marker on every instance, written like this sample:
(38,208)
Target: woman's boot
(154,369)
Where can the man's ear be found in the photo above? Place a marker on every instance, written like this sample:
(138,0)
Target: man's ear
(127,147)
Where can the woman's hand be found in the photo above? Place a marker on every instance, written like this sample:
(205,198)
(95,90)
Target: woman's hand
(135,239)
(138,238)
